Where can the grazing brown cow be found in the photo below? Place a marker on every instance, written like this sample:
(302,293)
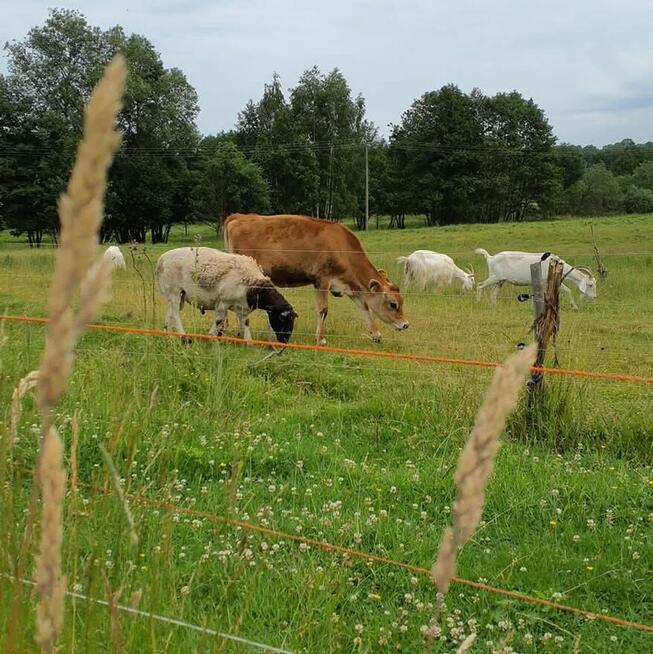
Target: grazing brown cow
(298,250)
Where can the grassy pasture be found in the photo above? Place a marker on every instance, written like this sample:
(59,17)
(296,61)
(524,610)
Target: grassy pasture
(360,452)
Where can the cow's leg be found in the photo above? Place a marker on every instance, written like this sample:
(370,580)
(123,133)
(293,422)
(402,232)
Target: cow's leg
(271,332)
(219,321)
(495,292)
(367,318)
(242,315)
(173,317)
(488,282)
(322,309)
(570,294)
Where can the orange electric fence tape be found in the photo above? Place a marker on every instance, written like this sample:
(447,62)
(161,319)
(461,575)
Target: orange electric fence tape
(329,547)
(422,358)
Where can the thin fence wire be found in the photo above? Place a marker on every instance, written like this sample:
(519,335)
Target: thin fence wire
(423,372)
(625,355)
(510,295)
(607,376)
(330,547)
(323,146)
(422,369)
(316,146)
(377,253)
(600,354)
(165,619)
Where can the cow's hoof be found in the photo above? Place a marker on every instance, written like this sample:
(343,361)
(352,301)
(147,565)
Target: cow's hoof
(186,340)
(321,341)
(376,337)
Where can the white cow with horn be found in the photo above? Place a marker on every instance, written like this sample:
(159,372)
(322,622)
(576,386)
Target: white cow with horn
(425,268)
(515,268)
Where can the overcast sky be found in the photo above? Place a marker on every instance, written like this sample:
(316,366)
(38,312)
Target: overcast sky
(587,63)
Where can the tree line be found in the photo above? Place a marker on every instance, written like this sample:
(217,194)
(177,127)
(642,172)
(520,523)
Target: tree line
(453,157)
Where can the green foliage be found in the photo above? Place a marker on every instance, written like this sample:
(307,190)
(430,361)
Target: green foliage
(569,161)
(596,193)
(518,166)
(643,175)
(334,123)
(620,158)
(638,200)
(466,158)
(227,182)
(310,149)
(453,158)
(51,74)
(269,133)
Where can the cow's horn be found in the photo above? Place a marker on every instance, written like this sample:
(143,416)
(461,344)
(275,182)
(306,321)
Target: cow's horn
(585,270)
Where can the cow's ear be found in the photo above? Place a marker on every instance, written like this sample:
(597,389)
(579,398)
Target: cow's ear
(375,285)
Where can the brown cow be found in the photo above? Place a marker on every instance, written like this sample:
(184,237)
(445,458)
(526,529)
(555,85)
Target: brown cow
(298,250)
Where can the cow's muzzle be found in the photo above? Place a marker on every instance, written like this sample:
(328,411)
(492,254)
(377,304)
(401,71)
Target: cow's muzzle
(401,326)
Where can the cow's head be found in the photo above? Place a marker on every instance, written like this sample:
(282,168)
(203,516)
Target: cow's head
(386,302)
(586,282)
(281,316)
(282,321)
(468,280)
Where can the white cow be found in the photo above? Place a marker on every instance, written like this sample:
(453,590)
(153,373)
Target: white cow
(423,268)
(214,280)
(113,254)
(515,268)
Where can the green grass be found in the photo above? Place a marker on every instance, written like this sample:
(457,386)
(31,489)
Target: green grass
(360,452)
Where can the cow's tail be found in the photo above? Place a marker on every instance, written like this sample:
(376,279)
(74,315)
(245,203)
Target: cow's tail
(483,253)
(225,234)
(404,261)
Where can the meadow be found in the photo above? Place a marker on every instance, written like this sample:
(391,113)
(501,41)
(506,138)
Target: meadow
(359,452)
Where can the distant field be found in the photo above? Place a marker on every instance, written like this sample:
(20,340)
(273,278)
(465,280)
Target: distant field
(359,452)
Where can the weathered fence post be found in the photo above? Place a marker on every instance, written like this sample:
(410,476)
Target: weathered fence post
(546,305)
(538,309)
(601,269)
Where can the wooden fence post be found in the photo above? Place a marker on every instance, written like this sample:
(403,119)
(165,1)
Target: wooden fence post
(601,269)
(546,305)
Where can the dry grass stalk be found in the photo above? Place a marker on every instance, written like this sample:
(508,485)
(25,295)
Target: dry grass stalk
(466,645)
(115,478)
(94,292)
(74,447)
(135,598)
(80,214)
(117,637)
(49,582)
(476,462)
(27,383)
(232,488)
